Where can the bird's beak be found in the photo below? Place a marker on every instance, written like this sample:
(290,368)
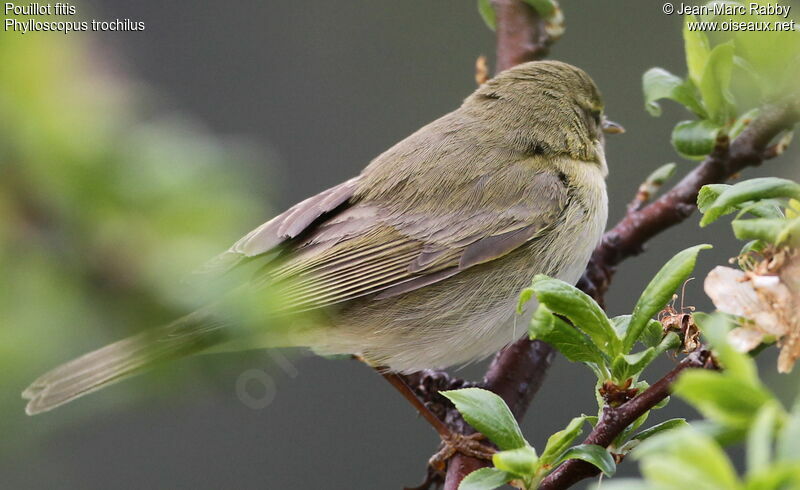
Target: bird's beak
(610,127)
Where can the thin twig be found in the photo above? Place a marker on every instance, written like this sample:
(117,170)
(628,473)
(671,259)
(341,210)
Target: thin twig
(616,420)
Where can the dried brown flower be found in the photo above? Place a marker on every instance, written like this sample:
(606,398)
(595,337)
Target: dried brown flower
(766,296)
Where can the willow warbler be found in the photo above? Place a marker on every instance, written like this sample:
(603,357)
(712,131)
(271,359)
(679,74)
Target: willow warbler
(418,261)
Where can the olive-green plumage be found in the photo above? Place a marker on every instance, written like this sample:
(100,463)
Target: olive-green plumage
(418,261)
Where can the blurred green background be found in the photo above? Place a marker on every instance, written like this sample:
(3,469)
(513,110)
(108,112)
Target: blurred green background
(129,158)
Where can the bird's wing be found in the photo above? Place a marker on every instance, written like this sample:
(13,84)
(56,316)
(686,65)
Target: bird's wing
(286,226)
(375,246)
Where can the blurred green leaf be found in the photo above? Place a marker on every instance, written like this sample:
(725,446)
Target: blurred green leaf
(697,50)
(715,329)
(685,459)
(489,415)
(721,398)
(487,13)
(545,8)
(658,84)
(715,84)
(788,446)
(781,476)
(760,437)
(772,54)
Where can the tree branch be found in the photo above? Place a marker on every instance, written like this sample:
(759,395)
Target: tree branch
(521,34)
(616,420)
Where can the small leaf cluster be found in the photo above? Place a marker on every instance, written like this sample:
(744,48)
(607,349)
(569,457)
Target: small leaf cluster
(767,210)
(517,461)
(730,75)
(736,406)
(572,322)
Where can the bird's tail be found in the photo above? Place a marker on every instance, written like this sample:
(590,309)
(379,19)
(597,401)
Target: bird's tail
(188,335)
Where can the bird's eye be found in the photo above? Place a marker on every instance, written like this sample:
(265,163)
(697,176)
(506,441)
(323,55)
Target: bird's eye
(597,116)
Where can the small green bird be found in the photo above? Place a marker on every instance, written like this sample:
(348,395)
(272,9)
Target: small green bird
(417,262)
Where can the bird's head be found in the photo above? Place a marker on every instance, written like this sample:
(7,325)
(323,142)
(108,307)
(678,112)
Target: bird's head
(545,107)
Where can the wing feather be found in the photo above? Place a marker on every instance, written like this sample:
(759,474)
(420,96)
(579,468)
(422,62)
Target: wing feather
(335,247)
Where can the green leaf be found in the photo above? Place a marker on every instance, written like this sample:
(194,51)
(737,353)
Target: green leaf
(545,8)
(660,290)
(594,455)
(561,440)
(658,428)
(695,139)
(788,446)
(685,459)
(750,190)
(724,399)
(715,329)
(519,462)
(715,83)
(579,308)
(658,84)
(660,175)
(697,50)
(571,343)
(487,13)
(485,479)
(775,477)
(760,437)
(489,415)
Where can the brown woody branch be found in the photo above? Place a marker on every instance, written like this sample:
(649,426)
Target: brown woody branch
(521,34)
(616,420)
